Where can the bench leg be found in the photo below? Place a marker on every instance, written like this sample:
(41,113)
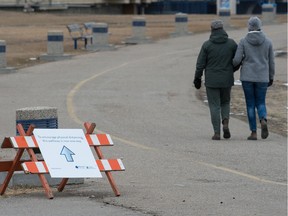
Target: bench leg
(75,43)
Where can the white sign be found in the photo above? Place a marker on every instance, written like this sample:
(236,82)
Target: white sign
(225,4)
(67,153)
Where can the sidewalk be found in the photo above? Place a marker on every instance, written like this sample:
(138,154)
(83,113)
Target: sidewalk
(143,96)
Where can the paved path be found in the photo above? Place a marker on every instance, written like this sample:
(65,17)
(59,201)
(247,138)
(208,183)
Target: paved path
(143,96)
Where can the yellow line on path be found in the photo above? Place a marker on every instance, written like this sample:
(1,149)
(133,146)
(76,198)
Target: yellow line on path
(255,178)
(72,113)
(71,94)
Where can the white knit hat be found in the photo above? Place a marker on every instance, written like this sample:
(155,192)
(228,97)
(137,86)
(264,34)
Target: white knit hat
(254,24)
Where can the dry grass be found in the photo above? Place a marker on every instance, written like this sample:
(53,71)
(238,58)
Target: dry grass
(25,36)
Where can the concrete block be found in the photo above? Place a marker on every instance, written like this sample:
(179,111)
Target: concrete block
(3,63)
(181,25)
(55,50)
(100,38)
(138,32)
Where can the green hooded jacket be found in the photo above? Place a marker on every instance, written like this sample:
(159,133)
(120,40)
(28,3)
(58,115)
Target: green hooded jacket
(215,58)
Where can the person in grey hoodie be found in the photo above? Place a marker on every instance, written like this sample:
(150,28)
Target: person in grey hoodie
(215,59)
(255,53)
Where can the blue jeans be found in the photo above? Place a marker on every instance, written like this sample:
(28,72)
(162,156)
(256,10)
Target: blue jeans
(255,95)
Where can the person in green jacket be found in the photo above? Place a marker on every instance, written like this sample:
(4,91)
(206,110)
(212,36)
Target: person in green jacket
(215,58)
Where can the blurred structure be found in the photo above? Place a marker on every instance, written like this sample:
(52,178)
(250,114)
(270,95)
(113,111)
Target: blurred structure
(145,6)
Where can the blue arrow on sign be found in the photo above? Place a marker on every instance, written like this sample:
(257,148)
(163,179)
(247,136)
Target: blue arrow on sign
(68,154)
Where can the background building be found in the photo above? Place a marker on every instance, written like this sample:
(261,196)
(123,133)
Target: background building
(146,6)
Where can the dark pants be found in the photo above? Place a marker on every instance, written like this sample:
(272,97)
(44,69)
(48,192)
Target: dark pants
(255,94)
(219,105)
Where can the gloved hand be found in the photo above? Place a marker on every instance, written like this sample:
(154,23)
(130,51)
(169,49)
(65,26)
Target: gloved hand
(197,83)
(270,82)
(237,67)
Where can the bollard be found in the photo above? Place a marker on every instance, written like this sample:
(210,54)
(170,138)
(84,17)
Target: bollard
(55,43)
(55,50)
(2,54)
(100,38)
(224,14)
(41,117)
(138,32)
(268,13)
(181,25)
(3,63)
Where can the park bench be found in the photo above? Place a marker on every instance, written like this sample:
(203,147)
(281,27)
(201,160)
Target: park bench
(88,26)
(77,33)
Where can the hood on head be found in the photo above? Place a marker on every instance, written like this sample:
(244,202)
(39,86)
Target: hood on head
(254,24)
(218,36)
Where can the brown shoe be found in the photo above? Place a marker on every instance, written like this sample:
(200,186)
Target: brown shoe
(264,129)
(253,136)
(216,136)
(226,131)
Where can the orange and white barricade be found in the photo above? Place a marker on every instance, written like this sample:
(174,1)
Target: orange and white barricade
(27,142)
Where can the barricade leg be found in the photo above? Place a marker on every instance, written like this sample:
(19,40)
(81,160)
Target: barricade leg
(64,181)
(89,130)
(16,162)
(62,184)
(33,157)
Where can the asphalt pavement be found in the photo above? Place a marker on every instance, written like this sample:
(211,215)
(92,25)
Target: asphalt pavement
(143,96)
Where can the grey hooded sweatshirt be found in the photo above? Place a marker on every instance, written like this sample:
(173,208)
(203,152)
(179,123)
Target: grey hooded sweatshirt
(257,56)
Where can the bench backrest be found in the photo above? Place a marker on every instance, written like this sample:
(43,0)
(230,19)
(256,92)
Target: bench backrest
(75,30)
(88,27)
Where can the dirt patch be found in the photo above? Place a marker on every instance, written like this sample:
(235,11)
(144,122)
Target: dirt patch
(20,190)
(276,104)
(25,35)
